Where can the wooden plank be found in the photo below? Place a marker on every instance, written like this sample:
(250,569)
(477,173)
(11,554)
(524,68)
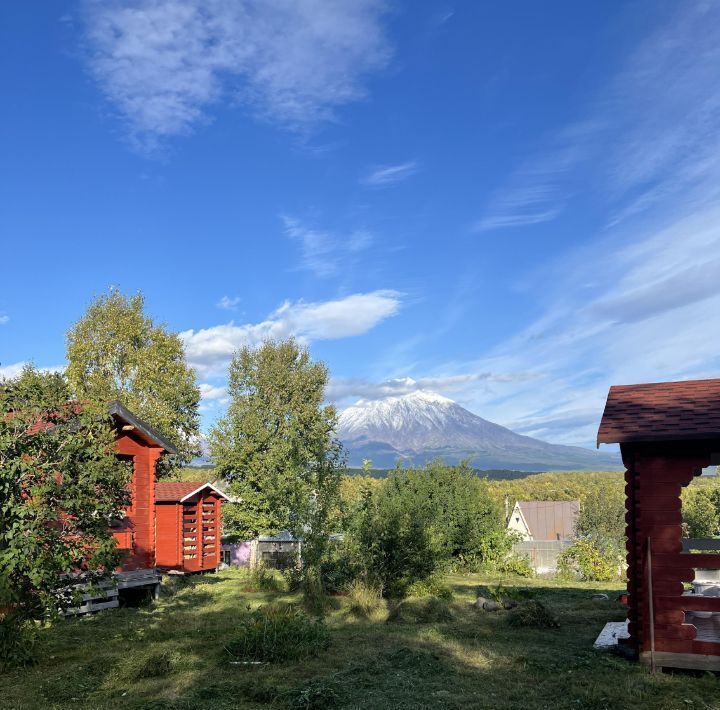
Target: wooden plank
(688,602)
(693,661)
(686,559)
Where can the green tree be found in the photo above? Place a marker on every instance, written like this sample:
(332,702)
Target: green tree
(276,447)
(700,517)
(61,485)
(421,520)
(115,351)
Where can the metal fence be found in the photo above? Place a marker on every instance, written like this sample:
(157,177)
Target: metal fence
(542,554)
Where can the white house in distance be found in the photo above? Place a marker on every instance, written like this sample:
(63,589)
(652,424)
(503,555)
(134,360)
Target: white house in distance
(544,519)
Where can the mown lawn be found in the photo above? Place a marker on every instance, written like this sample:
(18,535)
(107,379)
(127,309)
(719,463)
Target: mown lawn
(170,655)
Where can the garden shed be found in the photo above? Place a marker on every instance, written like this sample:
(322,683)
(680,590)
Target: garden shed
(188,525)
(668,432)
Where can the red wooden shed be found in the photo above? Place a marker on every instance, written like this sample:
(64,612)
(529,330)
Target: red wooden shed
(668,432)
(188,525)
(165,520)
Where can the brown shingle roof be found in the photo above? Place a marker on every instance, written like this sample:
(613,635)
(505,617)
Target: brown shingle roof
(550,519)
(662,411)
(176,491)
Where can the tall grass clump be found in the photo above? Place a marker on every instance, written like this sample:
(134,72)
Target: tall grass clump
(533,614)
(261,579)
(365,599)
(426,610)
(277,632)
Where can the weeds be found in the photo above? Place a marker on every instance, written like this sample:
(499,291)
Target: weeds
(533,614)
(433,586)
(427,610)
(277,632)
(365,599)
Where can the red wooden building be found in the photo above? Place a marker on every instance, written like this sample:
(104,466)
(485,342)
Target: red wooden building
(668,432)
(188,525)
(168,525)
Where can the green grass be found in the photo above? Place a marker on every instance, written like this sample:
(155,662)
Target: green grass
(171,655)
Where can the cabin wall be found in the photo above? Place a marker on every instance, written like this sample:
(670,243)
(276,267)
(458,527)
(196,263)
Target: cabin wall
(168,520)
(654,481)
(140,516)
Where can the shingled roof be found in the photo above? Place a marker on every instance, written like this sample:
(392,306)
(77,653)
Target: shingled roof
(661,411)
(180,491)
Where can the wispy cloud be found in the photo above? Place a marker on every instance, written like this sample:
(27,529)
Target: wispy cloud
(228,303)
(4,318)
(538,191)
(387,175)
(209,350)
(325,253)
(163,63)
(341,389)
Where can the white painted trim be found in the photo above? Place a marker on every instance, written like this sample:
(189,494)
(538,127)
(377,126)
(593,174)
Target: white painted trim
(202,488)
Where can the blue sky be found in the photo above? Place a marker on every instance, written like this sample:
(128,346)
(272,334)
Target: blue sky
(513,204)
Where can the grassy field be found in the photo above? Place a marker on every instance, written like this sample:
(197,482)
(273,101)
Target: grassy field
(170,655)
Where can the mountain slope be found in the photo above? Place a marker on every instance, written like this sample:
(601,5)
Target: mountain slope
(424,425)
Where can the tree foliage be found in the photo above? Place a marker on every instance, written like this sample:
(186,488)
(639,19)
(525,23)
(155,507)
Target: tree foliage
(275,446)
(115,351)
(61,486)
(699,511)
(421,520)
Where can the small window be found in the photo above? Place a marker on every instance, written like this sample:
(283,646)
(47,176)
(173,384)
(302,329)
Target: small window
(225,557)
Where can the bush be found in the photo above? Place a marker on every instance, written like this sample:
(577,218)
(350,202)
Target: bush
(433,586)
(516,564)
(365,599)
(278,632)
(261,579)
(533,614)
(17,641)
(428,610)
(587,561)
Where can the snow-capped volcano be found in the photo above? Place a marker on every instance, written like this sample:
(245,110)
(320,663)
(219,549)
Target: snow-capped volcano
(424,425)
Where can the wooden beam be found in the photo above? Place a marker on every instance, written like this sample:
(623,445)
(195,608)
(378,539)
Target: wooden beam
(693,661)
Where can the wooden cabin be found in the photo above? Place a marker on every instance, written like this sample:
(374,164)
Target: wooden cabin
(187,516)
(161,514)
(668,432)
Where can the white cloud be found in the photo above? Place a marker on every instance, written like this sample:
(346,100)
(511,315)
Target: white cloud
(387,175)
(16,368)
(341,389)
(210,392)
(163,63)
(228,303)
(209,350)
(4,318)
(324,253)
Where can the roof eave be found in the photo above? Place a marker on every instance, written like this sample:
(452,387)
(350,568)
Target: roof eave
(117,409)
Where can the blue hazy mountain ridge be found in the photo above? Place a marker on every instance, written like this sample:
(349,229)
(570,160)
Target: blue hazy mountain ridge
(421,426)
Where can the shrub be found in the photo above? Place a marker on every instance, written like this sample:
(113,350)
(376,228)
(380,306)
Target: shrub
(586,560)
(427,610)
(17,641)
(516,564)
(433,586)
(261,579)
(533,614)
(365,599)
(278,632)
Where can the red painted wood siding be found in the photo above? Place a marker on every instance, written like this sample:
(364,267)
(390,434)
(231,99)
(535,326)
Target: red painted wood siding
(188,534)
(654,510)
(140,516)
